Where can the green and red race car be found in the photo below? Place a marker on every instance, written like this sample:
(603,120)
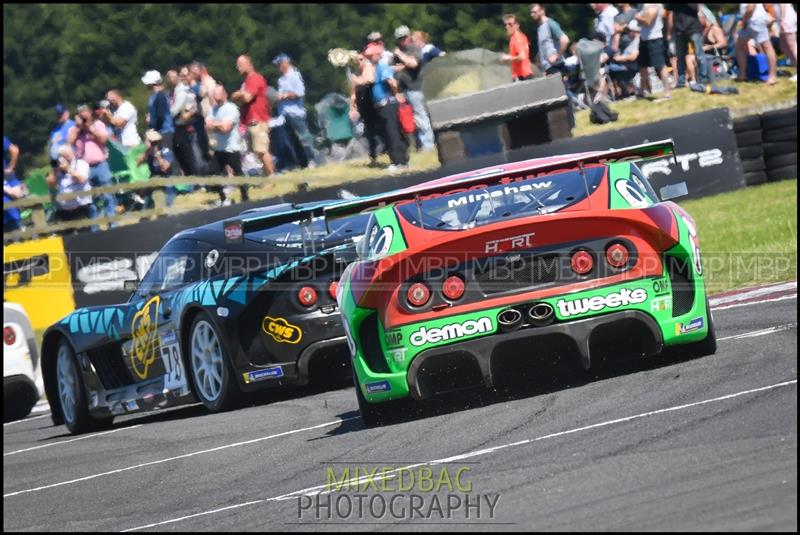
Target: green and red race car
(574,256)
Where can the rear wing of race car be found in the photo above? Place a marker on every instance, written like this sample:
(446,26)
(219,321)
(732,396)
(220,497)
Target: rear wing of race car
(646,151)
(235,229)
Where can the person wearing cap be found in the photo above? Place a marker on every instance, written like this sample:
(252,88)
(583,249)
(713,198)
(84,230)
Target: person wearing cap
(159,118)
(624,64)
(160,160)
(71,175)
(252,99)
(291,91)
(518,50)
(58,136)
(408,69)
(89,138)
(384,88)
(377,38)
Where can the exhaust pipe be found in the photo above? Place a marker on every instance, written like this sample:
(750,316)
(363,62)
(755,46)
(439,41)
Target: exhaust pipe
(509,320)
(541,314)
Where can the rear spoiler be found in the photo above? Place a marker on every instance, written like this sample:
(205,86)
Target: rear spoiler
(235,229)
(646,151)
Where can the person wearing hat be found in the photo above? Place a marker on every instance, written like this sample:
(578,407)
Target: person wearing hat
(71,175)
(89,137)
(159,118)
(624,64)
(161,162)
(384,88)
(58,136)
(377,38)
(408,70)
(291,91)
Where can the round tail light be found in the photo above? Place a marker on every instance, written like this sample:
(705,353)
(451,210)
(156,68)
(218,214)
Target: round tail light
(453,287)
(307,296)
(418,294)
(617,255)
(9,336)
(332,289)
(582,262)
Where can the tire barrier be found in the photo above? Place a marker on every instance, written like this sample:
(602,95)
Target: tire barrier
(767,145)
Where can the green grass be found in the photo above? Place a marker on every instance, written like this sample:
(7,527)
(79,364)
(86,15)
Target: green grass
(748,236)
(753,97)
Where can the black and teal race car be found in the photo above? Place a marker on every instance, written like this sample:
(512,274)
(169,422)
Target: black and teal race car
(227,308)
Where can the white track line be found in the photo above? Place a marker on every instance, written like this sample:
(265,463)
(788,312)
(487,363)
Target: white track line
(311,491)
(71,440)
(184,456)
(783,298)
(762,332)
(741,296)
(25,420)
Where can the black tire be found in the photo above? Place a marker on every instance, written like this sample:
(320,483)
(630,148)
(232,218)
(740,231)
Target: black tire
(781,160)
(779,118)
(787,133)
(745,124)
(377,414)
(781,173)
(757,177)
(750,151)
(79,419)
(752,137)
(779,147)
(751,166)
(229,395)
(19,402)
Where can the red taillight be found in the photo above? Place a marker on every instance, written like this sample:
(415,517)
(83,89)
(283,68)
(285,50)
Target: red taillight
(332,289)
(307,296)
(9,336)
(582,262)
(418,294)
(617,255)
(453,287)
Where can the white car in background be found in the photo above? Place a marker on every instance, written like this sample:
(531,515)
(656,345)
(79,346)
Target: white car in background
(22,379)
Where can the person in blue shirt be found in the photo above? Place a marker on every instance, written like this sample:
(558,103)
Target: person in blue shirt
(291,91)
(58,136)
(12,187)
(383,91)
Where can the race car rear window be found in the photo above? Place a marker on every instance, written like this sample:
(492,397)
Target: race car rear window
(296,235)
(499,202)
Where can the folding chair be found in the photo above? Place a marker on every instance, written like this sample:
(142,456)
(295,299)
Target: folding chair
(594,76)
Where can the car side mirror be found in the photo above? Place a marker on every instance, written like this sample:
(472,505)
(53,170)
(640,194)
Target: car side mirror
(130,285)
(673,191)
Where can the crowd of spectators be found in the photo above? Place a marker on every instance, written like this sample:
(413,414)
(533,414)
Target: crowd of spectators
(197,125)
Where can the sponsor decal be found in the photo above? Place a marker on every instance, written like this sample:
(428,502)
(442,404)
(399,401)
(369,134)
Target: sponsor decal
(660,286)
(660,304)
(631,193)
(273,372)
(281,330)
(383,386)
(211,258)
(698,264)
(683,328)
(169,338)
(222,312)
(393,339)
(597,303)
(144,338)
(383,241)
(234,231)
(131,405)
(453,331)
(507,244)
(398,355)
(507,190)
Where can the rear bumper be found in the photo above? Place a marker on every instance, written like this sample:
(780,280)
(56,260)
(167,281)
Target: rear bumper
(575,338)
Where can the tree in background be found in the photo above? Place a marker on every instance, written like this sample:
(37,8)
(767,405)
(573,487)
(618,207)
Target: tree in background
(75,53)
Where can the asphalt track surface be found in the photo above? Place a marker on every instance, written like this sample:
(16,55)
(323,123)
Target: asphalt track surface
(701,444)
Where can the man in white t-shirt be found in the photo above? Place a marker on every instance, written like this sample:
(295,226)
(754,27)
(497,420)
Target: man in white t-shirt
(604,20)
(223,124)
(755,25)
(123,119)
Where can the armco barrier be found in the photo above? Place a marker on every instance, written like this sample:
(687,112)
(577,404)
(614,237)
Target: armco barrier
(99,263)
